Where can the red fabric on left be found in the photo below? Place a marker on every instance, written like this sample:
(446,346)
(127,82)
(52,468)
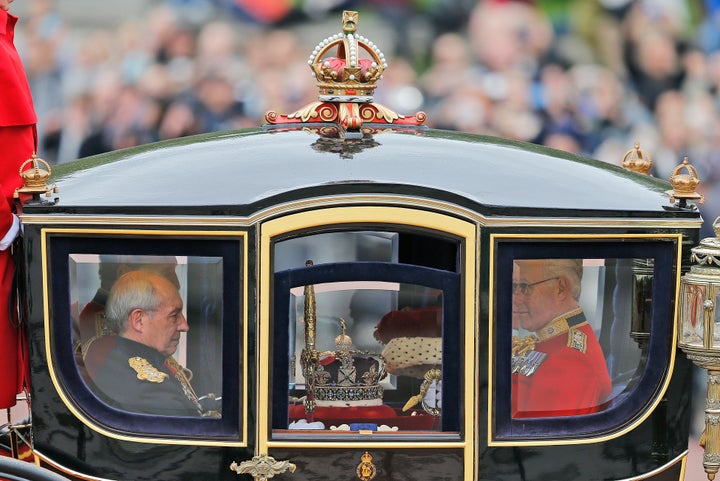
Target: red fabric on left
(19,144)
(18,141)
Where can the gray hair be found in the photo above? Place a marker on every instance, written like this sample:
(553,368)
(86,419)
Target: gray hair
(133,290)
(572,269)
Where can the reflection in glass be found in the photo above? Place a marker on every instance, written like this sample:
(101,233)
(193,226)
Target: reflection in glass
(130,318)
(572,351)
(691,304)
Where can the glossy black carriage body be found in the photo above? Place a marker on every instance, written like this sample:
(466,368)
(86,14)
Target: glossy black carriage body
(404,217)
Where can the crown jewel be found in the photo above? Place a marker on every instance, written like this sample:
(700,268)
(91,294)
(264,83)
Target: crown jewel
(347,67)
(340,378)
(347,77)
(348,377)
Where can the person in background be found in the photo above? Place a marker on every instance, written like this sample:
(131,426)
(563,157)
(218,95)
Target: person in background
(560,369)
(18,139)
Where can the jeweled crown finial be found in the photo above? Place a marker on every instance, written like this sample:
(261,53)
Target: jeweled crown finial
(347,67)
(348,76)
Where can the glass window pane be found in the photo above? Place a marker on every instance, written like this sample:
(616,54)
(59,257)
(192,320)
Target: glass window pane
(141,326)
(692,300)
(576,340)
(371,354)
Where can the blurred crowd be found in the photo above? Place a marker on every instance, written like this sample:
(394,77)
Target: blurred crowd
(586,76)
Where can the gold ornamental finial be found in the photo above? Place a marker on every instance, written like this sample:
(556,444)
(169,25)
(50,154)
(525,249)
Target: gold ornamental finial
(343,342)
(348,76)
(637,160)
(347,67)
(35,179)
(684,184)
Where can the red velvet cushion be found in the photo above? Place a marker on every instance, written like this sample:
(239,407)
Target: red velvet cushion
(379,415)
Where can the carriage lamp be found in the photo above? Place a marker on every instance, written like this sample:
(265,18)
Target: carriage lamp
(699,318)
(699,335)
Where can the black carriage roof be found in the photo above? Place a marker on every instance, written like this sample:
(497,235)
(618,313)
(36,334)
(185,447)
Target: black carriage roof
(241,172)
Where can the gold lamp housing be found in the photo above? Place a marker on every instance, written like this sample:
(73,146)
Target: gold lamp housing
(699,335)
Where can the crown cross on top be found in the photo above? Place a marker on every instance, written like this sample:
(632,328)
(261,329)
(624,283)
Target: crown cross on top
(348,76)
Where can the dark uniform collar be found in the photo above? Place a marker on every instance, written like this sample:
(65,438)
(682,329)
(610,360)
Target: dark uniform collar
(155,357)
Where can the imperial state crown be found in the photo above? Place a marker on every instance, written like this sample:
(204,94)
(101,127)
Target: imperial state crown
(344,377)
(348,377)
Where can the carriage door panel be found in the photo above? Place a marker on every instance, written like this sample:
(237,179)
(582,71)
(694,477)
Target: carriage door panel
(362,335)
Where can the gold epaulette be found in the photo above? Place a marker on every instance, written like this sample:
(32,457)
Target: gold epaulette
(577,339)
(146,371)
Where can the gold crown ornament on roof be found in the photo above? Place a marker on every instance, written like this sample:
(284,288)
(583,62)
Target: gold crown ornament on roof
(347,76)
(347,67)
(637,160)
(35,178)
(684,184)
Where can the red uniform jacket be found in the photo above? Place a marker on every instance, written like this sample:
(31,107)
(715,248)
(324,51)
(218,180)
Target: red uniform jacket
(572,379)
(17,137)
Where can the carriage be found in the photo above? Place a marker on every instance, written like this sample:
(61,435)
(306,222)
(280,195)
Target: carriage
(348,277)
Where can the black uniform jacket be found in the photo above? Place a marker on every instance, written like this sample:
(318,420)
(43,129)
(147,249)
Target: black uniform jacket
(134,377)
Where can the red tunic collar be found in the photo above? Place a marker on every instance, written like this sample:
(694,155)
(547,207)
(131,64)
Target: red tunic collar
(7,22)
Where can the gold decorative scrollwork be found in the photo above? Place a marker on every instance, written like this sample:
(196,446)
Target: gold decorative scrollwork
(262,467)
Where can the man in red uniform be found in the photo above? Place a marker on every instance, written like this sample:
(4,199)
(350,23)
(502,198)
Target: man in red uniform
(560,369)
(18,141)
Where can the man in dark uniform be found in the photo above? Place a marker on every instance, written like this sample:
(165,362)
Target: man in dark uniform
(139,374)
(90,324)
(560,369)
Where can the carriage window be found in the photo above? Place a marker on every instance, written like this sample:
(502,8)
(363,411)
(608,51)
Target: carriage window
(131,320)
(575,332)
(559,367)
(137,329)
(369,340)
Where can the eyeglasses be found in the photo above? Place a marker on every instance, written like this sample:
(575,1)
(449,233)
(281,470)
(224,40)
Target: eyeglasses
(523,288)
